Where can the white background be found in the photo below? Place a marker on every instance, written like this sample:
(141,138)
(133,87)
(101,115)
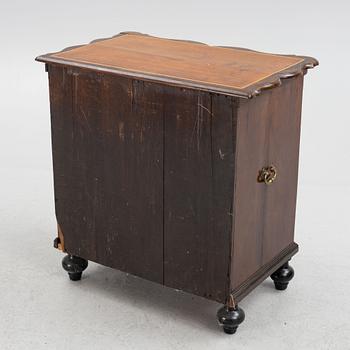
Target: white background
(41,309)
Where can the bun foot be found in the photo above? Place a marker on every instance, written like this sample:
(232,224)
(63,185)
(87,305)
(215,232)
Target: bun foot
(230,318)
(75,276)
(282,276)
(74,266)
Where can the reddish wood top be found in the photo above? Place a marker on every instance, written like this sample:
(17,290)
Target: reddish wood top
(233,71)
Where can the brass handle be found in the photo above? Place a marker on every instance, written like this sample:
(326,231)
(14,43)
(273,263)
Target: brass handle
(267,175)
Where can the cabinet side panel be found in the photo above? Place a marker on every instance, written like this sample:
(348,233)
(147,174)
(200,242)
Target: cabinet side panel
(198,187)
(283,152)
(268,130)
(107,140)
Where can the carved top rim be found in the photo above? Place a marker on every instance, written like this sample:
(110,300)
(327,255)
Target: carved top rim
(273,69)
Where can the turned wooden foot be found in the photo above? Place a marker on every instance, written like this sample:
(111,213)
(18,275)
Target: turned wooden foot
(282,276)
(74,266)
(230,318)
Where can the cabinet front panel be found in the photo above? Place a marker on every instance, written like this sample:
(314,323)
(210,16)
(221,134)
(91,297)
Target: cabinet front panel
(107,141)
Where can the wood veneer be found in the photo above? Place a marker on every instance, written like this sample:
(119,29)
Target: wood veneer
(236,71)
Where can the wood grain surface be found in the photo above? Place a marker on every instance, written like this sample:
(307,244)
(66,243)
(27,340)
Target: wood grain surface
(198,189)
(234,71)
(161,181)
(268,130)
(144,177)
(107,139)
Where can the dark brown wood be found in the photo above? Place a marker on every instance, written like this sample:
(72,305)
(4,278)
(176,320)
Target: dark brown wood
(165,169)
(198,188)
(268,132)
(107,139)
(233,71)
(186,141)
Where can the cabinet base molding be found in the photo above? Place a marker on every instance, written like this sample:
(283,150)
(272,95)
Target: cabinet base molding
(264,272)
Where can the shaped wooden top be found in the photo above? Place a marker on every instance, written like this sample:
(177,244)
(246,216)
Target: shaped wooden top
(233,71)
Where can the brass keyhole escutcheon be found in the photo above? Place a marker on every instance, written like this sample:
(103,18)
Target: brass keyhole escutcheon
(267,175)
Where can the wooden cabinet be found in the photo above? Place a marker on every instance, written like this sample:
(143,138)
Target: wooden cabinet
(177,162)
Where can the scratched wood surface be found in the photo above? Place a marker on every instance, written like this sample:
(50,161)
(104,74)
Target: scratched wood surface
(198,190)
(144,177)
(107,139)
(161,181)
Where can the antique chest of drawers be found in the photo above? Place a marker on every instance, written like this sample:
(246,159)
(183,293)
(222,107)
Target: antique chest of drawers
(177,162)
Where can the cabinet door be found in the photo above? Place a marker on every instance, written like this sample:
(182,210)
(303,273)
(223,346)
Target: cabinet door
(107,142)
(268,130)
(198,187)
